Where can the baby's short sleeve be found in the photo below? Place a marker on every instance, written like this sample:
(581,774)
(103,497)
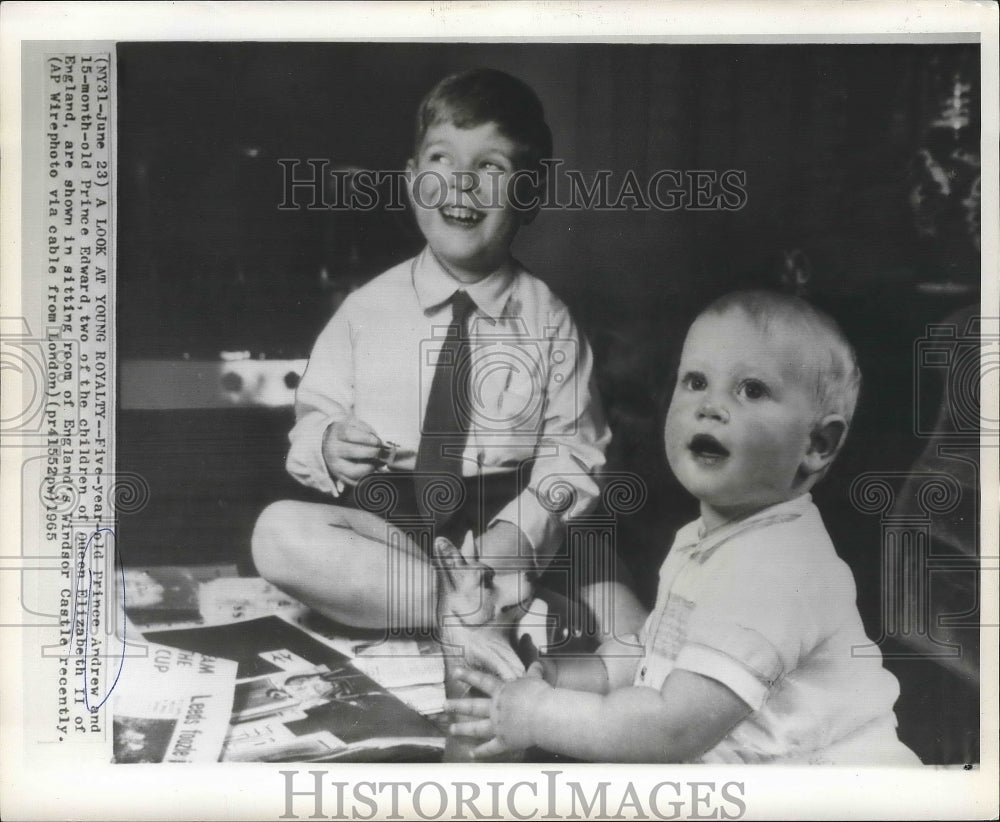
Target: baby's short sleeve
(757,614)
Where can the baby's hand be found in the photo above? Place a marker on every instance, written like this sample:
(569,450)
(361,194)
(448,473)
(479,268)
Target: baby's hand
(351,449)
(505,719)
(467,613)
(470,715)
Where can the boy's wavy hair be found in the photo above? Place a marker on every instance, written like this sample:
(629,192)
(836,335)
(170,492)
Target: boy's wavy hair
(830,358)
(485,95)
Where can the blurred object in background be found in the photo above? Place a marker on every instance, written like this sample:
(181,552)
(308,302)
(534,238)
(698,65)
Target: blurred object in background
(795,273)
(944,192)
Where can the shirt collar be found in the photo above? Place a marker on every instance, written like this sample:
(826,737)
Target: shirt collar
(434,285)
(695,538)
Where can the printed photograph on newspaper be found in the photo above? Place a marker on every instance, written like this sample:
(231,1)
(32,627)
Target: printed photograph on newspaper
(450,410)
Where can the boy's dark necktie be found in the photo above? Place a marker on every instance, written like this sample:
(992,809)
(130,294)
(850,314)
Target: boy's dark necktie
(447,417)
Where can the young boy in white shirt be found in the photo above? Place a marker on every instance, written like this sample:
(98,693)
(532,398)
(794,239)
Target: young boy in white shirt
(755,651)
(522,427)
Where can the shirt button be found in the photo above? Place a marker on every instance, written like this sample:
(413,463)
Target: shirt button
(642,673)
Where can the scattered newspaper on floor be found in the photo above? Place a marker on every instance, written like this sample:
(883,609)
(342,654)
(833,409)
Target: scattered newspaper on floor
(297,698)
(173,706)
(159,597)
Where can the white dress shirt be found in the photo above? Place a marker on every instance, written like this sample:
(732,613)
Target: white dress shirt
(531,386)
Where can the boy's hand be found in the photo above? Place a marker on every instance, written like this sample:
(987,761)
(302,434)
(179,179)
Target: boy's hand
(505,549)
(505,718)
(467,613)
(351,449)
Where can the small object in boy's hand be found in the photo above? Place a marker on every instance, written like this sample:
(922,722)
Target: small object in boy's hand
(386,452)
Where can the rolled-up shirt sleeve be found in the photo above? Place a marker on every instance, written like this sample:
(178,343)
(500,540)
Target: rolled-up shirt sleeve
(570,447)
(741,659)
(325,395)
(753,623)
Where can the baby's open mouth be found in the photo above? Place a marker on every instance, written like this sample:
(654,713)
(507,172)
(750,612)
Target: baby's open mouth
(461,216)
(708,448)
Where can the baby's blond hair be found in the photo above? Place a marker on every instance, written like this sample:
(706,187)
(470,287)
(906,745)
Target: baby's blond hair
(834,364)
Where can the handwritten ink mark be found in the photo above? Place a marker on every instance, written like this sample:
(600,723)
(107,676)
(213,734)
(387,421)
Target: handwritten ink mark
(76,599)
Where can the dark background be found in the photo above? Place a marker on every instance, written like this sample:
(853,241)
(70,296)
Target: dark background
(828,135)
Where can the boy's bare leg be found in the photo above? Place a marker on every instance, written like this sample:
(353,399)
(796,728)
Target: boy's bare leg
(616,608)
(349,565)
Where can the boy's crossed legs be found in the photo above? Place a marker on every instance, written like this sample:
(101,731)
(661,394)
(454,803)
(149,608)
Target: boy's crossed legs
(357,568)
(348,564)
